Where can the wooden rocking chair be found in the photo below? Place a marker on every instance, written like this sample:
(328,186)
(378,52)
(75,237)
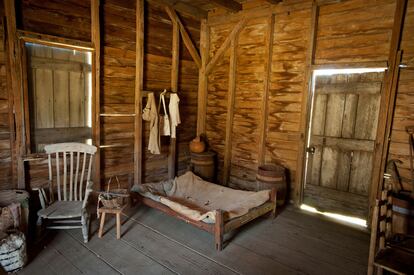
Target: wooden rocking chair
(73,190)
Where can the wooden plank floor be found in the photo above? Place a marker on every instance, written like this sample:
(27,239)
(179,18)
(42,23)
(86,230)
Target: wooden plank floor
(154,243)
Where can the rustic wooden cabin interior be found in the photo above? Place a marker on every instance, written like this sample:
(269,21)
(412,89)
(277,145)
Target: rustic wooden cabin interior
(207,137)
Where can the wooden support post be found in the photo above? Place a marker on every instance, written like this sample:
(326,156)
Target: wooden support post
(226,44)
(387,105)
(139,85)
(25,96)
(305,116)
(175,57)
(230,110)
(184,34)
(373,239)
(96,76)
(16,91)
(13,166)
(202,78)
(174,87)
(265,96)
(219,230)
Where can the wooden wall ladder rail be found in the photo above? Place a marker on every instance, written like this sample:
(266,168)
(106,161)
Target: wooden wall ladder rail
(384,253)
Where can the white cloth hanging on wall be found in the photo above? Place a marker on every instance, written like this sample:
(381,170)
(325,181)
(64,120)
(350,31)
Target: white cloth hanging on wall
(174,113)
(163,118)
(150,114)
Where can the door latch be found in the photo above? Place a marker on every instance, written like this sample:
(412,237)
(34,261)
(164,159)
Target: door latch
(311,150)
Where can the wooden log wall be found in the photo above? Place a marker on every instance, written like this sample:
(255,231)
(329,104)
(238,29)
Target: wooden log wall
(6,131)
(157,76)
(404,109)
(287,78)
(117,89)
(118,86)
(288,54)
(69,19)
(72,19)
(362,35)
(250,77)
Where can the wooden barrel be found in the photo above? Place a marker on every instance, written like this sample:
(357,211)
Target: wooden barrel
(272,176)
(402,214)
(203,165)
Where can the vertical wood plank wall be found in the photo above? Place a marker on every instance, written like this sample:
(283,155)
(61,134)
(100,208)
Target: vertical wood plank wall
(362,35)
(404,109)
(157,76)
(72,19)
(6,180)
(118,23)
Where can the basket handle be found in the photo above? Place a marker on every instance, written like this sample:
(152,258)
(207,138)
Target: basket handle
(109,183)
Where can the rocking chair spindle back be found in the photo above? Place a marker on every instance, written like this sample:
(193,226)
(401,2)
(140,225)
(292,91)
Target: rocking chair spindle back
(70,208)
(83,155)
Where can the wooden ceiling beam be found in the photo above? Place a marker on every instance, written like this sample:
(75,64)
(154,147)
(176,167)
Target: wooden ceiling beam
(183,8)
(229,5)
(274,1)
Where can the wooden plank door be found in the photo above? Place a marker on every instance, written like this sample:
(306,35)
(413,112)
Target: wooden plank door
(343,128)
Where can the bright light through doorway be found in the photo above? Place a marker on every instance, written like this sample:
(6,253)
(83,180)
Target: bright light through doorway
(348,71)
(347,219)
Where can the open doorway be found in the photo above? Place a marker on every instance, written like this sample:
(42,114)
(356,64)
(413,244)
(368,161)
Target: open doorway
(342,128)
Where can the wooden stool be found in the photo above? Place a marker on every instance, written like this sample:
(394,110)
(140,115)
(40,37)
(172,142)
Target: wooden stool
(117,211)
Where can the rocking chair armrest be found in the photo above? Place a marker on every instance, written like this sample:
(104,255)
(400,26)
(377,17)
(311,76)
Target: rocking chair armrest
(42,186)
(88,191)
(42,195)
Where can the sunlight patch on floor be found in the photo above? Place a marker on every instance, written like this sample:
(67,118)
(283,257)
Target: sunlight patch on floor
(352,220)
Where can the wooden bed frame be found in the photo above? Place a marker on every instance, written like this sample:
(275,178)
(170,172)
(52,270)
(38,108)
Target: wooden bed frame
(221,227)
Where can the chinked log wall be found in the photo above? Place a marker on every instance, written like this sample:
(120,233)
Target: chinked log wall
(72,19)
(268,113)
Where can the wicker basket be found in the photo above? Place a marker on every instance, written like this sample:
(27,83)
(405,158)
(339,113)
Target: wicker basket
(13,252)
(114,198)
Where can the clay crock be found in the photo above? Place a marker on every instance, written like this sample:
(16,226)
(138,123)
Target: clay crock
(197,145)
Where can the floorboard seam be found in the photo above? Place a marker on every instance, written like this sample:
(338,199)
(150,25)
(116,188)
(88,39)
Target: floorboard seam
(265,256)
(183,245)
(96,254)
(145,254)
(66,258)
(296,251)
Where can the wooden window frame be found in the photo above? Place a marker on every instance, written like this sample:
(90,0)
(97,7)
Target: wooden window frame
(51,41)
